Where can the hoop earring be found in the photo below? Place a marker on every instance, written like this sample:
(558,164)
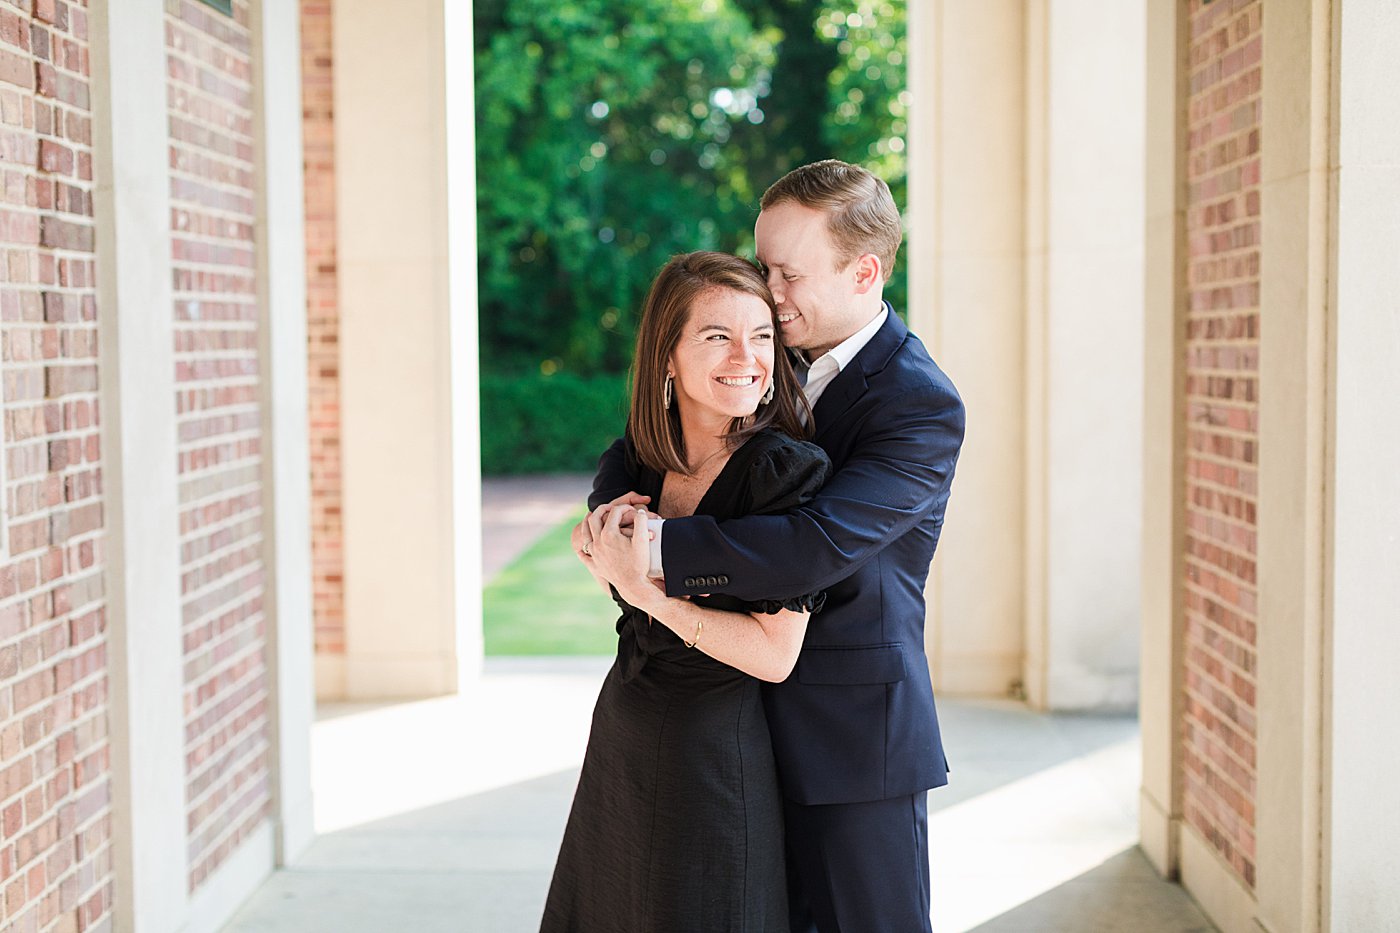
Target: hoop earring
(768,395)
(667,393)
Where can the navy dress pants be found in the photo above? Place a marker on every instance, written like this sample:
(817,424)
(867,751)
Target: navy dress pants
(859,867)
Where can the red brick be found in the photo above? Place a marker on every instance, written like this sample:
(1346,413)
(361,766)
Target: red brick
(16,69)
(216,371)
(1221,410)
(38,735)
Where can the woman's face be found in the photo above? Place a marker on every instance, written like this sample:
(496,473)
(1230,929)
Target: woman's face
(724,361)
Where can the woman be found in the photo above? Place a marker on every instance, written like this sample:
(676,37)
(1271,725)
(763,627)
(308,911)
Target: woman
(677,822)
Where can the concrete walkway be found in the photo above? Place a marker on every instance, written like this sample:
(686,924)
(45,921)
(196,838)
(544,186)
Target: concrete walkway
(445,815)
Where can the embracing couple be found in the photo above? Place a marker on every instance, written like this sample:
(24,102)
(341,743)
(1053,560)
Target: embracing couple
(762,748)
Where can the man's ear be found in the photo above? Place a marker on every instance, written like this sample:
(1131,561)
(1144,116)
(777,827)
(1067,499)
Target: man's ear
(868,272)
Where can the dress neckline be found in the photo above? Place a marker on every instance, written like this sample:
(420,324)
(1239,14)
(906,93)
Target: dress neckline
(723,471)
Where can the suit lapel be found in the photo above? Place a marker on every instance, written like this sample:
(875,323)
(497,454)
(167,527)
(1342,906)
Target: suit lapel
(851,383)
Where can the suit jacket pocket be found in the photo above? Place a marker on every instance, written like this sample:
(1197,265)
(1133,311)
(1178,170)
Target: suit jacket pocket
(864,664)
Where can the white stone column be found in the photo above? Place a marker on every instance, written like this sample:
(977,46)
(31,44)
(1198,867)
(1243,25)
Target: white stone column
(1084,353)
(460,169)
(1293,282)
(1026,282)
(1363,826)
(408,359)
(1163,442)
(132,208)
(280,239)
(966,238)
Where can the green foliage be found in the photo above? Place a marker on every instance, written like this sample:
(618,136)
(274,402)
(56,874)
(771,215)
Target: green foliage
(869,103)
(601,152)
(613,134)
(546,602)
(547,424)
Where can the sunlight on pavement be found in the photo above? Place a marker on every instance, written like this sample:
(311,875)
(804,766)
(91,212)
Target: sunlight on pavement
(529,719)
(370,761)
(1006,846)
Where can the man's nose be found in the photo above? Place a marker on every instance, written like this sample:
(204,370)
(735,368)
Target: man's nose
(775,285)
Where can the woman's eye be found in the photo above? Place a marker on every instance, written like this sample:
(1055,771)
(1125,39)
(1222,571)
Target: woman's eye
(763,336)
(717,337)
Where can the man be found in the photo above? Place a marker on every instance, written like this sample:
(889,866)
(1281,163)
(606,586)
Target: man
(854,728)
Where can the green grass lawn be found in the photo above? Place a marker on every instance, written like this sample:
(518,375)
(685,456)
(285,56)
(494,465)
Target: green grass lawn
(546,603)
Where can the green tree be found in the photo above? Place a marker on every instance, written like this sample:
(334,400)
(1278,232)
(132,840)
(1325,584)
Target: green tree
(612,134)
(602,150)
(867,119)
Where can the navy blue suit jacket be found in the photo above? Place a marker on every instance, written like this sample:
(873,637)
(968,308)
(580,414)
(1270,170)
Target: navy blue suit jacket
(856,720)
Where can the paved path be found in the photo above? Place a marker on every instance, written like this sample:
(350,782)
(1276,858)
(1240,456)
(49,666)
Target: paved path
(445,815)
(516,510)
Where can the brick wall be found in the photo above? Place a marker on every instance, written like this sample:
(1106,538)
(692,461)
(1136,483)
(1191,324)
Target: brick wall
(55,788)
(322,324)
(212,185)
(1221,410)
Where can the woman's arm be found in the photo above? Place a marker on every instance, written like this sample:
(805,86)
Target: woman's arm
(763,645)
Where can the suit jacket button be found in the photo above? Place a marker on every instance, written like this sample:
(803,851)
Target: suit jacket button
(723,580)
(712,581)
(689,581)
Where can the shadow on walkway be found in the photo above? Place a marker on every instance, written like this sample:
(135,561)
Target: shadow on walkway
(1122,895)
(445,815)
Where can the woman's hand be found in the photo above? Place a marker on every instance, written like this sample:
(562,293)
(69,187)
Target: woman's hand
(623,560)
(581,538)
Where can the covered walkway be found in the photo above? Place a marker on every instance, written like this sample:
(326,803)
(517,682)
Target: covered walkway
(445,815)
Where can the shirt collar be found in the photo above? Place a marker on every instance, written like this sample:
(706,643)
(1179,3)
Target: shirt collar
(846,350)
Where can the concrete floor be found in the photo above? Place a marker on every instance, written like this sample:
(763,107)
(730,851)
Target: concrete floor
(445,815)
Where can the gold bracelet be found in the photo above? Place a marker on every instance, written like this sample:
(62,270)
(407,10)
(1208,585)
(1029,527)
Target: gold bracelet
(699,624)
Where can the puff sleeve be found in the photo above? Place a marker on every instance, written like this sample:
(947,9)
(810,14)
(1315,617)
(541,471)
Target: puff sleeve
(787,474)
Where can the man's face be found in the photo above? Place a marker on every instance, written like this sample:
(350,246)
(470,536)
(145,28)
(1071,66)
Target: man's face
(818,305)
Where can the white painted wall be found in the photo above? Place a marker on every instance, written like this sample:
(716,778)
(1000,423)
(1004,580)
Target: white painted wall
(1159,693)
(281,242)
(1364,843)
(131,205)
(1089,414)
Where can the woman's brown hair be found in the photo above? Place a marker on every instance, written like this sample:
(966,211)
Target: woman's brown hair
(654,429)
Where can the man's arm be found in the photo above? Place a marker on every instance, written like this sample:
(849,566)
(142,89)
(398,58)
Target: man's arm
(898,476)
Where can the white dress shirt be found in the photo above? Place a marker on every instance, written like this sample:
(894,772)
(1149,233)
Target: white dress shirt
(816,376)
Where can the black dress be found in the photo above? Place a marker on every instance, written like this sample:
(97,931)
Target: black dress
(676,824)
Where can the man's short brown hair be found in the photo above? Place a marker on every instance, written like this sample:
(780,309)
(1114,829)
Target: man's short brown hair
(861,213)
